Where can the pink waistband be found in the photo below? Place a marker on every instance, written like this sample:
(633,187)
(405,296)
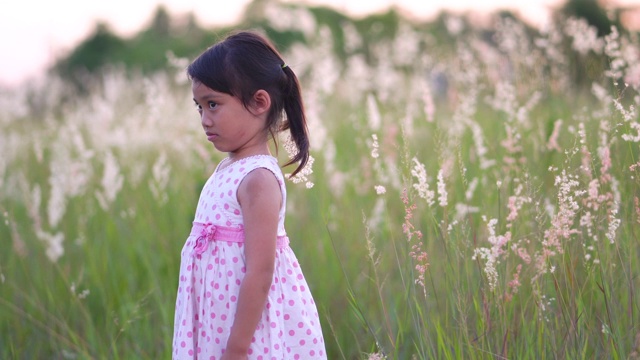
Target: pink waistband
(209,232)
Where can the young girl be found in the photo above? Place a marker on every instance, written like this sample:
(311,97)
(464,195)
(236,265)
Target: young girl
(241,293)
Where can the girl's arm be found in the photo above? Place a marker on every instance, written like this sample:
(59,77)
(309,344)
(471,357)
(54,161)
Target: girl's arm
(260,198)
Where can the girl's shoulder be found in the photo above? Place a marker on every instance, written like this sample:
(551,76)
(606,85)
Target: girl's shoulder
(245,165)
(262,161)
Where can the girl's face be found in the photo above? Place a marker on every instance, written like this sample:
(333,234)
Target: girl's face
(228,124)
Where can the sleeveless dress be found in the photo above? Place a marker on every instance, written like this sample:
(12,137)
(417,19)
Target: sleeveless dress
(213,266)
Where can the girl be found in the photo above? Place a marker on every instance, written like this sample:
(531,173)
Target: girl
(241,293)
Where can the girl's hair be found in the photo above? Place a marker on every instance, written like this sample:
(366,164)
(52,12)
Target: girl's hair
(246,62)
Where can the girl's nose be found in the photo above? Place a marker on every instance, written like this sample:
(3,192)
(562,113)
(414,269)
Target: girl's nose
(205,120)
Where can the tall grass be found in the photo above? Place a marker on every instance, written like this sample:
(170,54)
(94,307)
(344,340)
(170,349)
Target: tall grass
(468,203)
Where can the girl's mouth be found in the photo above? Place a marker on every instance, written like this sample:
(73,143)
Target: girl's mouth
(211,136)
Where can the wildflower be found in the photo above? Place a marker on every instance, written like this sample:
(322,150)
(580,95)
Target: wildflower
(33,203)
(627,115)
(454,24)
(605,161)
(512,142)
(585,37)
(561,222)
(380,189)
(376,356)
(515,283)
(352,38)
(594,199)
(418,171)
(513,208)
(57,204)
(68,178)
(586,221)
(442,191)
(407,226)
(633,138)
(284,18)
(373,112)
(511,37)
(481,149)
(613,51)
(463,210)
(615,191)
(419,256)
(491,255)
(614,223)
(111,182)
(504,99)
(405,47)
(489,266)
(81,295)
(314,122)
(374,147)
(161,170)
(53,242)
(551,45)
(429,106)
(451,225)
(524,255)
(471,189)
(515,203)
(586,155)
(633,76)
(177,63)
(302,175)
(523,112)
(545,304)
(552,144)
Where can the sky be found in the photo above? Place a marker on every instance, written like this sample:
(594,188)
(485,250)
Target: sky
(34,33)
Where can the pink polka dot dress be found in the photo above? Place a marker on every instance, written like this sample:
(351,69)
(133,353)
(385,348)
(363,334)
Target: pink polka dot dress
(211,271)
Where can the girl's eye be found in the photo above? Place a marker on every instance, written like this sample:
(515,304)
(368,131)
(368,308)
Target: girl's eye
(212,105)
(198,107)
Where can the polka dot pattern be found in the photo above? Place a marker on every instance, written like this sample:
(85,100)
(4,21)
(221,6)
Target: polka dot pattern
(209,283)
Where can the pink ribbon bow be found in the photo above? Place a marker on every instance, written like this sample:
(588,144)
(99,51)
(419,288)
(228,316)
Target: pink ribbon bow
(206,235)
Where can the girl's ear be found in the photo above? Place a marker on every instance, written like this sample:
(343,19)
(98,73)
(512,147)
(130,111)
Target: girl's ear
(261,102)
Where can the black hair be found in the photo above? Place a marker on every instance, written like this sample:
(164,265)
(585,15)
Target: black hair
(245,62)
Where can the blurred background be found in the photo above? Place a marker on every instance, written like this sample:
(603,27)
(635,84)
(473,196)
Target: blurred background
(40,35)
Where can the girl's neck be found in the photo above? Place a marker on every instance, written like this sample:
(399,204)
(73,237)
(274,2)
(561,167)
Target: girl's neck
(230,161)
(262,149)
(237,157)
(234,159)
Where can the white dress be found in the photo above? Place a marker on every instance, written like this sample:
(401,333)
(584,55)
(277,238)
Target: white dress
(211,271)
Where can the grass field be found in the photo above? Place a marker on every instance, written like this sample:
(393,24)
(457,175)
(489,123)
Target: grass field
(469,201)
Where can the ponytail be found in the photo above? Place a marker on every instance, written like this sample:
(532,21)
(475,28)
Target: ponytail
(296,119)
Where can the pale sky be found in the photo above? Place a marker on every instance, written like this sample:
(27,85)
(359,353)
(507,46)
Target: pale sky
(34,32)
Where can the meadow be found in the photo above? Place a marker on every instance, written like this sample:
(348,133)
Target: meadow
(468,199)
